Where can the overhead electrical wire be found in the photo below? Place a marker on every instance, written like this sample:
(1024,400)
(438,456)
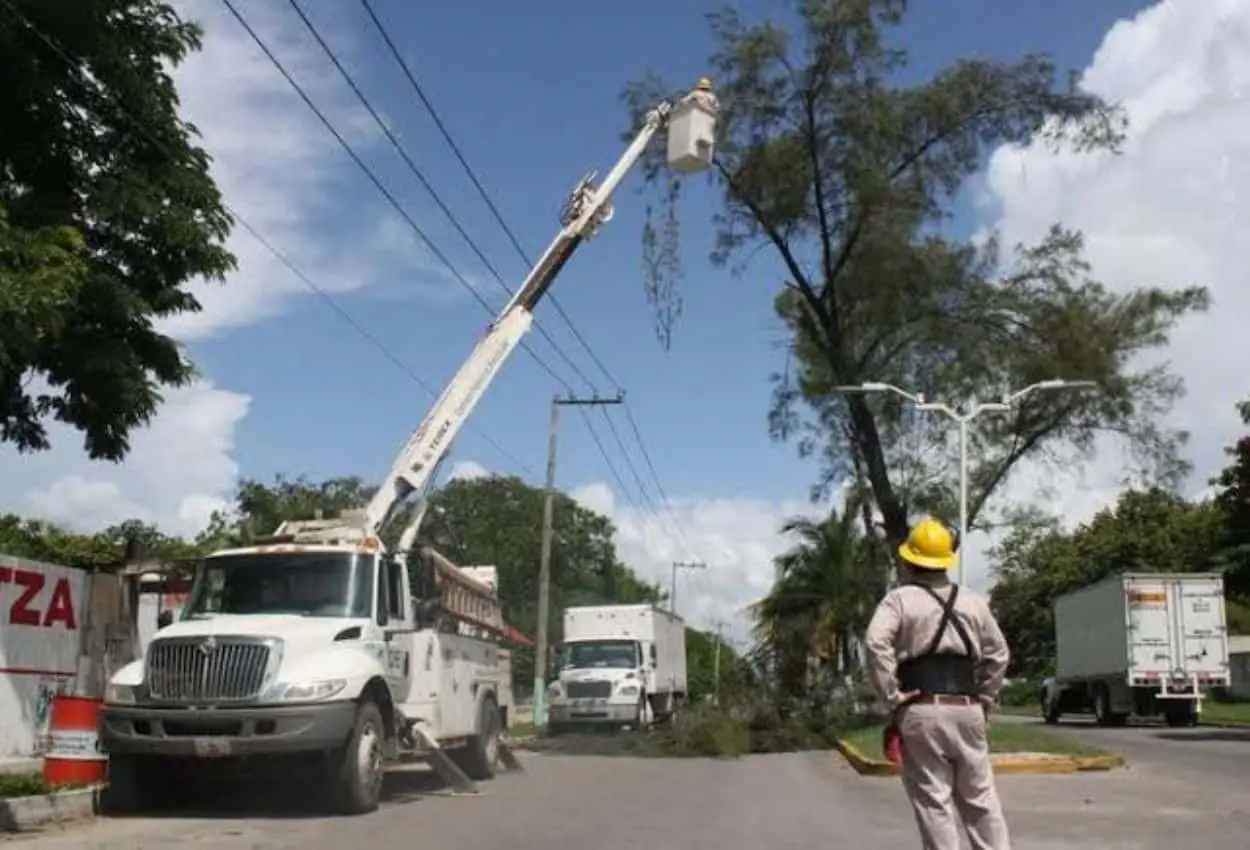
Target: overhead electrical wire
(377,182)
(419,90)
(481,190)
(425,183)
(74,65)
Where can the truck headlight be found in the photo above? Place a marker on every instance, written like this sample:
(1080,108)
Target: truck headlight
(628,690)
(119,694)
(311,691)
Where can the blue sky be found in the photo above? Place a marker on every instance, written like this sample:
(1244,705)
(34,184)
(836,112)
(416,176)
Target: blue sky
(530,93)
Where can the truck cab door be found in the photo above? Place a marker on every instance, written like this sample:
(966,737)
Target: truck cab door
(394,616)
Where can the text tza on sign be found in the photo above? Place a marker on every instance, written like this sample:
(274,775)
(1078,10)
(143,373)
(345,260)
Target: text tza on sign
(30,606)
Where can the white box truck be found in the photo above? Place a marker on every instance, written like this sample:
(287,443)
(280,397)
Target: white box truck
(1138,643)
(619,665)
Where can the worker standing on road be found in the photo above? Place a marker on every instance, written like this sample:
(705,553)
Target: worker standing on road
(937,657)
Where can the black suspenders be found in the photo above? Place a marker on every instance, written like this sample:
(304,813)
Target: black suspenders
(948,620)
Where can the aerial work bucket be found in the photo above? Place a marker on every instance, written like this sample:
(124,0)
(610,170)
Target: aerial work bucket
(692,130)
(74,756)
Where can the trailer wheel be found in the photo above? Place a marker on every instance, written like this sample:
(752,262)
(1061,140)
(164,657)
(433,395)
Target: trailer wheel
(479,759)
(1050,708)
(356,770)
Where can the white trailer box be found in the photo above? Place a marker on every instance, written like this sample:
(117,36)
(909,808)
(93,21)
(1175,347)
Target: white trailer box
(619,665)
(1130,640)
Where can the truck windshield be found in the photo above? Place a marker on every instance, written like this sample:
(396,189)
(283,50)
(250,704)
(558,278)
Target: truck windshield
(312,584)
(621,654)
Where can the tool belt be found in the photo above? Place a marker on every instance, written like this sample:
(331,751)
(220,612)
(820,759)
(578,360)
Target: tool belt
(944,673)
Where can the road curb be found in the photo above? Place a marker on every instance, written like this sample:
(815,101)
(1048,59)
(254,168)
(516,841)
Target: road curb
(1004,763)
(18,814)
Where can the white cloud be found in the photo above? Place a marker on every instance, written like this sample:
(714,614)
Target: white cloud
(280,170)
(1169,211)
(467,470)
(737,539)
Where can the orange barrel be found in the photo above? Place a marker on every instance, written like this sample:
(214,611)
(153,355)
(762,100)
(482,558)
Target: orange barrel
(74,753)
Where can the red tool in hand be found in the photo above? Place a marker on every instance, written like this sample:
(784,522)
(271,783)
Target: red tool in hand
(892,744)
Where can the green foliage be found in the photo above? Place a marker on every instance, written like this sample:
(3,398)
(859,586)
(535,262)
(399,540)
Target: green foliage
(1233,503)
(823,597)
(736,675)
(107,211)
(1146,531)
(846,176)
(1021,692)
(105,550)
(497,520)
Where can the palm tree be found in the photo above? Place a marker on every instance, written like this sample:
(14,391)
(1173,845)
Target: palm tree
(821,600)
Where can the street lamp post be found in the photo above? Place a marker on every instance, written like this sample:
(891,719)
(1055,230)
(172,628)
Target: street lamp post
(963,420)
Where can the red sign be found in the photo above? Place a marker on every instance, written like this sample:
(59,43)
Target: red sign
(26,610)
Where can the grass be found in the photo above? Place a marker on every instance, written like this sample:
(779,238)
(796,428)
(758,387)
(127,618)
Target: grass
(1004,738)
(1213,713)
(27,785)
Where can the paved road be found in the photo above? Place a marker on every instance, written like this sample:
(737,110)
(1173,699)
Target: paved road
(1209,753)
(787,801)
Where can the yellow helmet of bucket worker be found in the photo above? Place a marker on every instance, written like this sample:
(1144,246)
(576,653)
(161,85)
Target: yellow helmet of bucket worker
(930,546)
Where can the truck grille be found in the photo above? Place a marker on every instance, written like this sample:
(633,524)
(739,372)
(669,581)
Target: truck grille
(584,690)
(206,669)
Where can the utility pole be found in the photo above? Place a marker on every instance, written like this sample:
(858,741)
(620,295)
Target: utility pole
(544,564)
(720,627)
(681,565)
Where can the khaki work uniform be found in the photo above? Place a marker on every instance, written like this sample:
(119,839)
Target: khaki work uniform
(946,768)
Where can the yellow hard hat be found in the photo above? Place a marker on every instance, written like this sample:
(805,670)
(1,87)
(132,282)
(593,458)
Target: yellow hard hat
(929,546)
(704,84)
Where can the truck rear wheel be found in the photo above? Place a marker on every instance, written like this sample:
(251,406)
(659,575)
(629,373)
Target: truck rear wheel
(1050,708)
(356,770)
(479,759)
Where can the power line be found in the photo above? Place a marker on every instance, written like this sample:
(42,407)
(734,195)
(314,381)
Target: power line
(377,182)
(417,173)
(481,190)
(256,233)
(419,90)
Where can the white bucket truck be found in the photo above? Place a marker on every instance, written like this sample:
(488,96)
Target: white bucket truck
(619,665)
(312,643)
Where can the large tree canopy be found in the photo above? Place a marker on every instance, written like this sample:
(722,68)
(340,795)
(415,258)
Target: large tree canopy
(846,176)
(107,211)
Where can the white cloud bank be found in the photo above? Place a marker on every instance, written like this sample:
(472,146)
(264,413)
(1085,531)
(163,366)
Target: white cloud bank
(1169,211)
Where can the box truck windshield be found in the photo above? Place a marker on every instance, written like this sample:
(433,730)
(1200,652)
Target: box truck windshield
(617,654)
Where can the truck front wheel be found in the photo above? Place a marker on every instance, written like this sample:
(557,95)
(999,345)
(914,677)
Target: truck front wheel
(135,784)
(357,769)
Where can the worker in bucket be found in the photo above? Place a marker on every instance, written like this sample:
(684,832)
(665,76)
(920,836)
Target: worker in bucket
(937,658)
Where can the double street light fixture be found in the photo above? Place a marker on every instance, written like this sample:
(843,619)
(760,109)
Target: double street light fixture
(964,418)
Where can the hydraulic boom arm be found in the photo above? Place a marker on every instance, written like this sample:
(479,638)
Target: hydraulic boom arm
(588,209)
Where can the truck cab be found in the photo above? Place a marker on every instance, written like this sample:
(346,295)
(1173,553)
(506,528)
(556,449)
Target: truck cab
(309,649)
(619,665)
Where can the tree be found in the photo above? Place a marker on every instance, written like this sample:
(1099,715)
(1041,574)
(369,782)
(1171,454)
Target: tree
(822,599)
(846,176)
(105,550)
(497,520)
(260,508)
(1233,502)
(1146,531)
(107,211)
